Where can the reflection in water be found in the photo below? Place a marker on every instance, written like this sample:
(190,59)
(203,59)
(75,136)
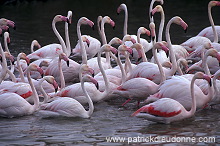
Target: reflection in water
(33,20)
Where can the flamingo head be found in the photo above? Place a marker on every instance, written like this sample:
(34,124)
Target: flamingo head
(161,45)
(51,80)
(139,48)
(86,21)
(184,63)
(214,3)
(10,57)
(152,30)
(35,43)
(121,7)
(24,57)
(129,38)
(116,41)
(59,18)
(10,23)
(123,48)
(6,36)
(64,57)
(85,69)
(179,21)
(44,63)
(69,16)
(85,39)
(167,64)
(158,8)
(161,1)
(200,75)
(195,67)
(34,67)
(207,46)
(213,53)
(107,19)
(143,30)
(88,78)
(108,48)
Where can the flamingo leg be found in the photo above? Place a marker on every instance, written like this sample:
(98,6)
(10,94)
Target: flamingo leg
(126,102)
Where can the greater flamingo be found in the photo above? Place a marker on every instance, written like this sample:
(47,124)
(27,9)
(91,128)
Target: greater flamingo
(51,50)
(70,107)
(13,105)
(150,70)
(140,88)
(74,90)
(167,110)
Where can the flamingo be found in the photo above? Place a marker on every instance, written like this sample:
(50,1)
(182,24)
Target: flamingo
(13,105)
(69,107)
(140,88)
(151,7)
(150,70)
(51,50)
(105,61)
(74,90)
(34,43)
(167,110)
(212,31)
(209,30)
(7,22)
(71,73)
(147,46)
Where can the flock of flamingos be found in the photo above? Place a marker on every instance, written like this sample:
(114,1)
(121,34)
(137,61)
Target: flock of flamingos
(51,84)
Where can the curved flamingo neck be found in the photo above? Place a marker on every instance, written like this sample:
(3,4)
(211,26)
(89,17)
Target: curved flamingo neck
(84,55)
(212,24)
(172,55)
(59,36)
(35,95)
(217,74)
(99,20)
(103,73)
(105,40)
(204,63)
(91,106)
(121,68)
(68,46)
(125,29)
(62,80)
(160,34)
(162,73)
(193,108)
(46,97)
(4,64)
(19,69)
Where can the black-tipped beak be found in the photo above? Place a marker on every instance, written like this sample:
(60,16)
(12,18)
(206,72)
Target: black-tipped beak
(93,75)
(42,75)
(113,27)
(56,89)
(153,38)
(97,86)
(68,21)
(151,15)
(93,28)
(8,31)
(14,27)
(116,54)
(117,13)
(168,53)
(68,63)
(185,30)
(210,83)
(132,54)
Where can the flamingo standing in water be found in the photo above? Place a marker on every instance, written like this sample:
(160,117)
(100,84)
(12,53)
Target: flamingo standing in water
(167,110)
(51,50)
(150,70)
(141,88)
(74,91)
(209,32)
(13,105)
(70,107)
